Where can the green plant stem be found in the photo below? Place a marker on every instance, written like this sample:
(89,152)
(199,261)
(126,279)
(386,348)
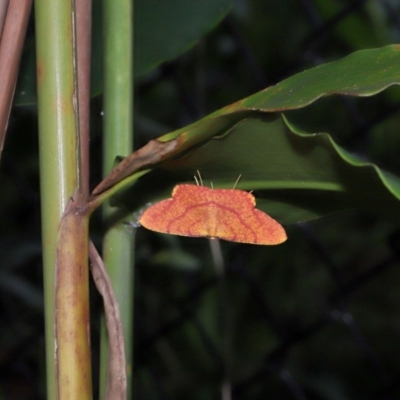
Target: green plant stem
(118,140)
(59,176)
(83,53)
(224,319)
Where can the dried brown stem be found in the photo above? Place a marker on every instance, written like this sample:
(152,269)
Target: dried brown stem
(72,323)
(11,44)
(116,365)
(3,13)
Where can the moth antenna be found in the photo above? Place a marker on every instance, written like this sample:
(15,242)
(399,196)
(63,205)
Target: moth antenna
(237,181)
(195,178)
(201,180)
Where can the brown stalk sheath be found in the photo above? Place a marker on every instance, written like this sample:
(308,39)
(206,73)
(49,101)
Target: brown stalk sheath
(116,385)
(72,330)
(11,44)
(3,12)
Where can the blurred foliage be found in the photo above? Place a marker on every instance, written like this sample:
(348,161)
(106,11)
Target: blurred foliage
(315,318)
(160,36)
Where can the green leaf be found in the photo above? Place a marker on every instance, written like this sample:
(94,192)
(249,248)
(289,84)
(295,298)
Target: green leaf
(363,73)
(294,176)
(166,29)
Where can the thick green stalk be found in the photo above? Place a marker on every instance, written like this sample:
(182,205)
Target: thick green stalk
(118,140)
(59,170)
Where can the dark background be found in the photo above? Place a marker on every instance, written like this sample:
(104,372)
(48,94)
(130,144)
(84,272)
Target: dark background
(315,318)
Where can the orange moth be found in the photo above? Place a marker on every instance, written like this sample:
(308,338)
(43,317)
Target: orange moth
(199,211)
